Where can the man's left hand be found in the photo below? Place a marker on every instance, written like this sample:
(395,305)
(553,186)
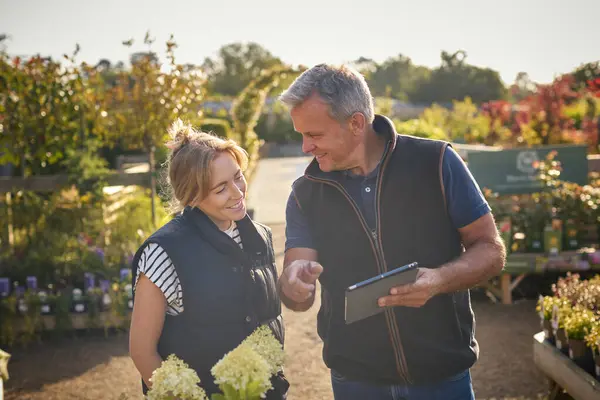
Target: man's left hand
(414,294)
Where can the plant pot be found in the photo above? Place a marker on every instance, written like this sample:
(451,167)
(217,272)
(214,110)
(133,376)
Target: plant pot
(597,366)
(562,342)
(552,241)
(548,332)
(581,355)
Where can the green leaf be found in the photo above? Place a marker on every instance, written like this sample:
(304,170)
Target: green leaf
(230,392)
(254,390)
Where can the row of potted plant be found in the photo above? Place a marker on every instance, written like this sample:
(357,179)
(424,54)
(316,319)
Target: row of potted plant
(571,320)
(22,310)
(562,216)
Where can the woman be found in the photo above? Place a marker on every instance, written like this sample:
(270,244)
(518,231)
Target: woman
(206,279)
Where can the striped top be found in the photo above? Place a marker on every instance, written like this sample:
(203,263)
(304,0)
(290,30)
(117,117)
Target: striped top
(158,268)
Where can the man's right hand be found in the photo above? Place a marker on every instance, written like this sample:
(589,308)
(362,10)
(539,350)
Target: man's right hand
(299,278)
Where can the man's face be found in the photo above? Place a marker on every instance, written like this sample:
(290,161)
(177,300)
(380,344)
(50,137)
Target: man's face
(332,143)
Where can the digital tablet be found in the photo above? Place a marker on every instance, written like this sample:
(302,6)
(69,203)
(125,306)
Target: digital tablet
(361,298)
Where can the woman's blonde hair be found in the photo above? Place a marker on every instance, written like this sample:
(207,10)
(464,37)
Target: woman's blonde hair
(188,163)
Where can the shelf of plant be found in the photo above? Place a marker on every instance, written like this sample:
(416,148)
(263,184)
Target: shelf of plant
(80,321)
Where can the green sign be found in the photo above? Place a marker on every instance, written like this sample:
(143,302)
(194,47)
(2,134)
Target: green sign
(512,171)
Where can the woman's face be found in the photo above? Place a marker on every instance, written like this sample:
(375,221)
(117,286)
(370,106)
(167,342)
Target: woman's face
(226,198)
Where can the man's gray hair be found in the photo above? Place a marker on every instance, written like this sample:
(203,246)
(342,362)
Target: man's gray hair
(343,88)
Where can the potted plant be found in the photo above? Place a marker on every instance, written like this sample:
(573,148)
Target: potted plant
(577,325)
(536,217)
(560,312)
(592,340)
(544,308)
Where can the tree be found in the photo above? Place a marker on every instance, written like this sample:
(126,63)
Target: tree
(586,75)
(396,77)
(365,66)
(147,99)
(46,109)
(463,123)
(522,87)
(275,125)
(109,72)
(541,118)
(466,124)
(50,114)
(454,79)
(420,128)
(235,66)
(3,39)
(499,114)
(247,108)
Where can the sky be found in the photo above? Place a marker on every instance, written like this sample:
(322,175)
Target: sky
(541,37)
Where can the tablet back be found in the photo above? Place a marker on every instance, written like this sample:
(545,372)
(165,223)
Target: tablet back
(361,302)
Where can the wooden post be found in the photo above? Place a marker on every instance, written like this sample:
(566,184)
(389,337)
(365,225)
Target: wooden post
(10,224)
(152,184)
(506,289)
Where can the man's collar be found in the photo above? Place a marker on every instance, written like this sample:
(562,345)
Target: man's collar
(382,125)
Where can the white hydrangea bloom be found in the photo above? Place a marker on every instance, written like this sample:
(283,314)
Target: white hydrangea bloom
(244,370)
(174,379)
(268,347)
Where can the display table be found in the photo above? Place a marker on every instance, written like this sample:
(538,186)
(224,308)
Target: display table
(519,265)
(562,372)
(81,321)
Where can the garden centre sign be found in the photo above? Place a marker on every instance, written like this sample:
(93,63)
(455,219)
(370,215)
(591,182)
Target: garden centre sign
(513,172)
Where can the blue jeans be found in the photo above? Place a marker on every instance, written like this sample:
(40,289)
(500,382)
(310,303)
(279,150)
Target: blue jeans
(458,387)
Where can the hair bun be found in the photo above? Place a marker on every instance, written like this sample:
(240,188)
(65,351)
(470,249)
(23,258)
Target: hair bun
(180,134)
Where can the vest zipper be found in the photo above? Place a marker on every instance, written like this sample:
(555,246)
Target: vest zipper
(374,236)
(391,320)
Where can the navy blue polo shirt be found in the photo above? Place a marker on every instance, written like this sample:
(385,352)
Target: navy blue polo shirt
(464,199)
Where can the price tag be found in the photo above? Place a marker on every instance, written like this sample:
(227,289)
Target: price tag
(555,318)
(45,308)
(79,308)
(130,304)
(541,302)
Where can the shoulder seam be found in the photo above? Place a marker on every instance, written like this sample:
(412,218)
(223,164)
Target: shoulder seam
(441,174)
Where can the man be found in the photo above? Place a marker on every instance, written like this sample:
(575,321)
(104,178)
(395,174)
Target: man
(370,201)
